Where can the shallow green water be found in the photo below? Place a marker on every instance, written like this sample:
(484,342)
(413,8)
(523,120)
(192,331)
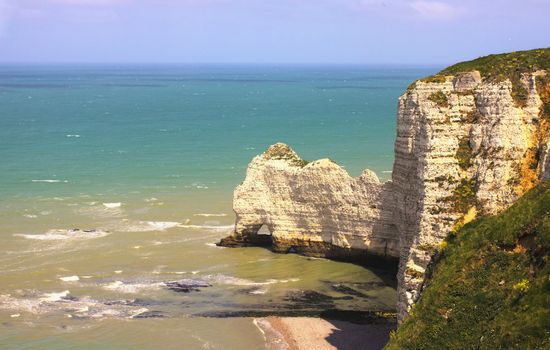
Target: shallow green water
(147,158)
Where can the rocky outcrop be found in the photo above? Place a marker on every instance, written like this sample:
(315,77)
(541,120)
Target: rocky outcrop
(313,208)
(467,145)
(464,148)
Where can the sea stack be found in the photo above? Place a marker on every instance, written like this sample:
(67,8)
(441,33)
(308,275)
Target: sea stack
(470,141)
(313,208)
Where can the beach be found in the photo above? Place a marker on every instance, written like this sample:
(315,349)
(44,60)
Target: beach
(118,181)
(306,333)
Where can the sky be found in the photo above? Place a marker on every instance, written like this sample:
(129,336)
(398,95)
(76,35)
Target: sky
(268,31)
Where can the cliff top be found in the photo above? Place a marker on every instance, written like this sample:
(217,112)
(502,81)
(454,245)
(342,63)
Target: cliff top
(499,67)
(284,152)
(502,66)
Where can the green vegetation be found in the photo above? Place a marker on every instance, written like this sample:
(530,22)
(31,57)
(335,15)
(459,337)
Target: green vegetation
(439,98)
(464,153)
(283,152)
(499,67)
(543,88)
(464,196)
(489,288)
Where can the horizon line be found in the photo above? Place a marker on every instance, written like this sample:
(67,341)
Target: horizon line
(11,63)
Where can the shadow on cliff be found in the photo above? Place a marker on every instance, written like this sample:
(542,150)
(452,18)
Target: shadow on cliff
(350,336)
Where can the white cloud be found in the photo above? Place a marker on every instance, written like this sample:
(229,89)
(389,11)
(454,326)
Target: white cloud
(435,10)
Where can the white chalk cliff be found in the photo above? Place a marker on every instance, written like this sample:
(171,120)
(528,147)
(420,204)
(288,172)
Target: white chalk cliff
(314,208)
(465,147)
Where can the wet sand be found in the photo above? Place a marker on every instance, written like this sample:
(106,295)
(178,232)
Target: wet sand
(306,333)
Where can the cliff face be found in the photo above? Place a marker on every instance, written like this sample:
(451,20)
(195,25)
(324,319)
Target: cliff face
(464,148)
(314,208)
(489,287)
(470,141)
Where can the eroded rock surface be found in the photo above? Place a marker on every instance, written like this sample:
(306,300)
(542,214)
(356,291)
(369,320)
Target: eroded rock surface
(465,147)
(314,208)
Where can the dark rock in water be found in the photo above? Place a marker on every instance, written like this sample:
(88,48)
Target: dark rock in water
(309,299)
(150,314)
(250,290)
(69,298)
(186,285)
(341,288)
(353,316)
(141,302)
(119,302)
(363,286)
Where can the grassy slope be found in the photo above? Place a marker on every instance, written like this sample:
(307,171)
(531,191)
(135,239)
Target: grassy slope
(500,67)
(490,286)
(504,65)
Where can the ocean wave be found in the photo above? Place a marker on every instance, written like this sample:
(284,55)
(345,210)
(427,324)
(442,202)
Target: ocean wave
(101,210)
(53,235)
(72,135)
(147,226)
(63,302)
(70,278)
(209,214)
(236,281)
(54,296)
(50,181)
(208,227)
(112,205)
(132,288)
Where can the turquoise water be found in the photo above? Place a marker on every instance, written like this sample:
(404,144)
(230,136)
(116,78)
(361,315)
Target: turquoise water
(117,129)
(145,160)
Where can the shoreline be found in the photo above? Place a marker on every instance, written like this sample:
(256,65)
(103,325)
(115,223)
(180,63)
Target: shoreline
(305,333)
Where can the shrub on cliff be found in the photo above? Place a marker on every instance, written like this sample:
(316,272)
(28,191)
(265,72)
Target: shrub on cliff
(490,287)
(494,68)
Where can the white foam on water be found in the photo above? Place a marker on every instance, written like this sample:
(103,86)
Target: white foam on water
(387,171)
(208,227)
(52,297)
(131,288)
(56,235)
(209,214)
(236,281)
(231,280)
(258,291)
(147,226)
(59,303)
(50,181)
(70,278)
(72,135)
(273,338)
(30,216)
(112,205)
(101,210)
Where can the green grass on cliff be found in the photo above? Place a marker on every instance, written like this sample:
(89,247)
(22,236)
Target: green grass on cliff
(500,67)
(490,286)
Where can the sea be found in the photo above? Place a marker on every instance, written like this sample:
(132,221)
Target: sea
(116,182)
